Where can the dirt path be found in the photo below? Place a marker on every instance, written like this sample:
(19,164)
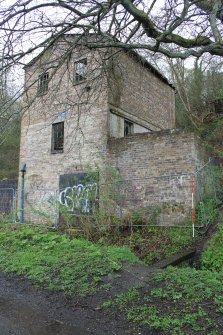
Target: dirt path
(26,310)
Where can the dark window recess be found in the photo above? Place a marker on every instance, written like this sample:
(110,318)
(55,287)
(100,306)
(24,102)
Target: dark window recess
(128,128)
(43,83)
(80,70)
(57,137)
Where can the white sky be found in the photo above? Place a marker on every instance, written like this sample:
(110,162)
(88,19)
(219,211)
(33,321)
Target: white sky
(55,14)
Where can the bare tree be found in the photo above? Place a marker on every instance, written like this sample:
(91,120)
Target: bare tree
(199,92)
(176,28)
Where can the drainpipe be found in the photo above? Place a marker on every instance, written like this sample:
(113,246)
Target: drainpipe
(22,195)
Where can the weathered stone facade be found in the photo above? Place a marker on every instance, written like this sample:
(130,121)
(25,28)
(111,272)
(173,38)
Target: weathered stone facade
(157,169)
(83,112)
(140,93)
(121,91)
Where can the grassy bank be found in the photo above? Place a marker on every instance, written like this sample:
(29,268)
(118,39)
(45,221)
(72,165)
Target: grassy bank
(150,244)
(74,266)
(181,301)
(177,301)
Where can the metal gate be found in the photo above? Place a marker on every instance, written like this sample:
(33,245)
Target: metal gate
(8,196)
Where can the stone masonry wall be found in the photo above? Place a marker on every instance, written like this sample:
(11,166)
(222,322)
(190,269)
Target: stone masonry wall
(138,92)
(82,107)
(155,172)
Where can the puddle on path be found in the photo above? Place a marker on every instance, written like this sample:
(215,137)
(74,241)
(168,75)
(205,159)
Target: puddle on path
(17,318)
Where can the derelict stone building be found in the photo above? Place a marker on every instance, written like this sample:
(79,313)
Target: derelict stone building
(88,108)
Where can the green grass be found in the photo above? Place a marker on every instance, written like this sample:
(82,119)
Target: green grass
(177,301)
(212,258)
(74,266)
(180,302)
(153,243)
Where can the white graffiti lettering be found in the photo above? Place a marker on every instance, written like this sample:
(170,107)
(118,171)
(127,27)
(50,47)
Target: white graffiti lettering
(79,197)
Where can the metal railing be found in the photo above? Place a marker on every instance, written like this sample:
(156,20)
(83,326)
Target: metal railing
(8,201)
(164,200)
(42,206)
(146,200)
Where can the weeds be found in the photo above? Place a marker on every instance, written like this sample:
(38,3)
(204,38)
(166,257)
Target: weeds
(73,266)
(182,301)
(151,243)
(212,257)
(173,323)
(179,304)
(123,299)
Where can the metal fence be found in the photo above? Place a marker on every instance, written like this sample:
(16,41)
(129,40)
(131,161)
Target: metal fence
(8,200)
(42,206)
(147,200)
(163,200)
(209,191)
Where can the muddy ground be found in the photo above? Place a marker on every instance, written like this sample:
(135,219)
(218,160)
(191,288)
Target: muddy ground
(27,310)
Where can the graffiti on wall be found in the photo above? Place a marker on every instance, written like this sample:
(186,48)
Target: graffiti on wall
(78,194)
(79,198)
(153,190)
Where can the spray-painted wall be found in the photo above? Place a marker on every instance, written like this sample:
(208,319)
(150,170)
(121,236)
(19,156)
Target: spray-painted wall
(128,86)
(156,170)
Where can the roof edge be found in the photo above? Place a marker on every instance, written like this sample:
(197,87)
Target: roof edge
(133,52)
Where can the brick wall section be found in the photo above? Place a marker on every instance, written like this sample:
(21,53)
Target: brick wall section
(85,125)
(81,153)
(136,90)
(154,154)
(156,171)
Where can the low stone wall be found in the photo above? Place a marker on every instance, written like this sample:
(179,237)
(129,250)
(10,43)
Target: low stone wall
(156,170)
(153,181)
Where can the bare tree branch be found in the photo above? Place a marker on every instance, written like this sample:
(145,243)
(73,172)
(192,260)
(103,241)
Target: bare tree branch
(192,27)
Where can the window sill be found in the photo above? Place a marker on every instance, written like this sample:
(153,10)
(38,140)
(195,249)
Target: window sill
(57,152)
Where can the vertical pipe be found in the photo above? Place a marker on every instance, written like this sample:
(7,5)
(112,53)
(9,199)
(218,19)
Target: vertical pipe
(192,205)
(22,195)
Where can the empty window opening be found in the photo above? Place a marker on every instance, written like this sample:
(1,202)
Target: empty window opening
(58,137)
(128,128)
(43,83)
(80,68)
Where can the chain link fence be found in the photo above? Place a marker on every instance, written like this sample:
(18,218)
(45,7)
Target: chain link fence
(164,201)
(209,192)
(42,206)
(8,201)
